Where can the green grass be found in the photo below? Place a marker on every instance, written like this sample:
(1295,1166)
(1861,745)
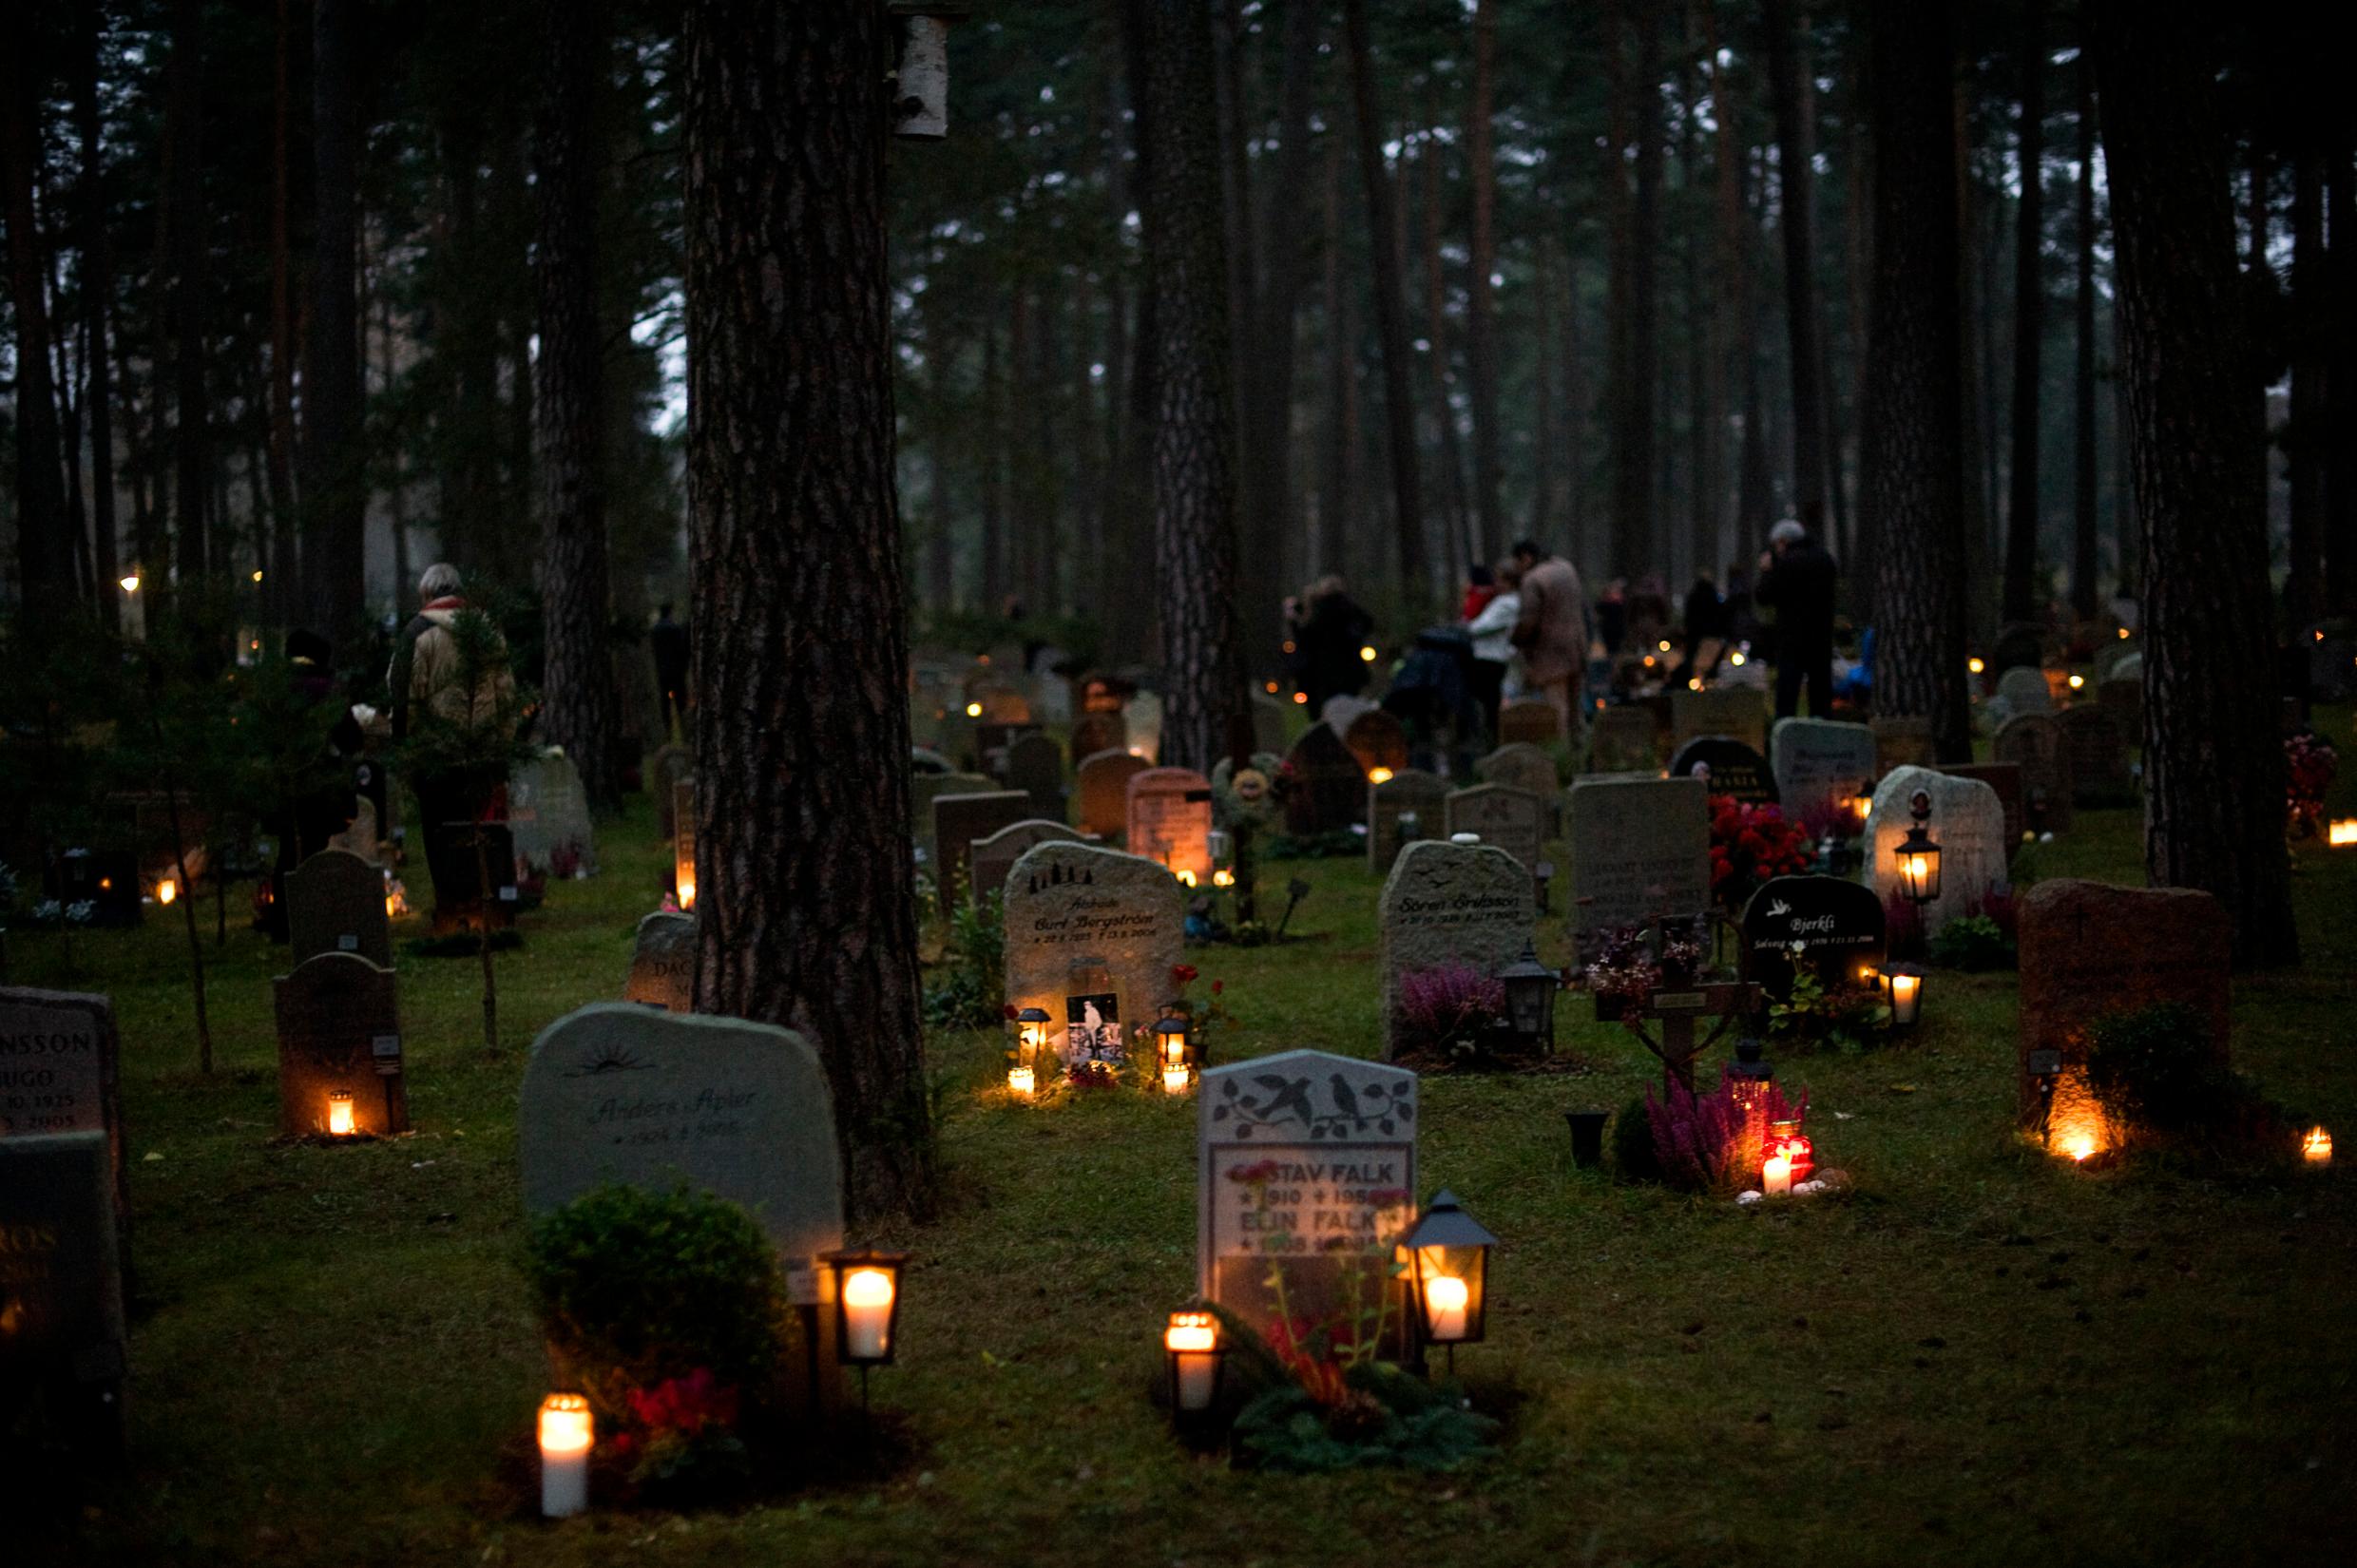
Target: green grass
(1980,1356)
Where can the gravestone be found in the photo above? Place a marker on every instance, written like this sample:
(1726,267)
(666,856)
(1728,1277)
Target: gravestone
(1968,824)
(1092,936)
(683,840)
(2108,658)
(1035,766)
(926,787)
(924,759)
(2023,690)
(1904,743)
(1837,923)
(1342,710)
(1306,1171)
(1409,791)
(1143,716)
(1104,794)
(1325,788)
(1640,848)
(1510,819)
(630,1096)
(1094,733)
(1378,740)
(662,963)
(994,857)
(340,1031)
(2005,779)
(2099,756)
(1170,821)
(1269,723)
(1729,767)
(61,1071)
(1448,904)
(61,1326)
(1623,740)
(548,815)
(336,903)
(1528,722)
(1523,766)
(958,821)
(1821,766)
(1735,711)
(2089,949)
(2035,741)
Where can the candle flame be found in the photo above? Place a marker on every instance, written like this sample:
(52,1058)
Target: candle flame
(687,889)
(1223,879)
(1191,1331)
(168,890)
(2316,1147)
(867,1288)
(1020,1082)
(565,1424)
(2342,833)
(340,1123)
(1175,1080)
(1445,1293)
(1379,776)
(2075,1125)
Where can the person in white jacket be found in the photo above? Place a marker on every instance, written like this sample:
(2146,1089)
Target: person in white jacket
(1492,631)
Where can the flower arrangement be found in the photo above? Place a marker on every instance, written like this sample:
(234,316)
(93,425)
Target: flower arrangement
(1749,845)
(2310,765)
(1840,1013)
(682,1434)
(1207,1016)
(1625,970)
(1449,1008)
(1710,1143)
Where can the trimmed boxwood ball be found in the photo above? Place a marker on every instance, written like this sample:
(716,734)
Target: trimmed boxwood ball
(634,1287)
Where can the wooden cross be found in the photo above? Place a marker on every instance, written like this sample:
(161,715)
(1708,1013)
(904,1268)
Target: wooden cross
(1677,1008)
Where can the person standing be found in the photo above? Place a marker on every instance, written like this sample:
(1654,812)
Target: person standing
(667,641)
(1333,633)
(1797,578)
(1491,627)
(432,686)
(1551,632)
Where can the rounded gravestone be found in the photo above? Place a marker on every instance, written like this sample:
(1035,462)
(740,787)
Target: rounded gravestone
(1967,822)
(1448,904)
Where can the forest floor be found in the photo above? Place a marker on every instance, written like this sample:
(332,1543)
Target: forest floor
(1981,1355)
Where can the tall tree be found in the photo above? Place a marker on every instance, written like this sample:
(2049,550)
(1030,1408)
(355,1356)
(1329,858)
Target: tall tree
(1790,95)
(2305,437)
(333,481)
(576,677)
(192,449)
(806,904)
(1481,332)
(2213,767)
(1911,458)
(1195,427)
(283,592)
(2084,554)
(44,544)
(2029,324)
(1399,409)
(1634,540)
(98,287)
(2341,380)
(1459,529)
(1285,274)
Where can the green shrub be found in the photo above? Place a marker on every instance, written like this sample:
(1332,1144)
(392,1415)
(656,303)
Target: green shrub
(1972,942)
(2156,1069)
(972,993)
(635,1289)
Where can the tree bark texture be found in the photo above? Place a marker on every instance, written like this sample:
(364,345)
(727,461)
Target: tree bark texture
(2085,554)
(1285,274)
(1399,409)
(1912,457)
(1481,328)
(2022,596)
(806,902)
(577,685)
(192,449)
(2214,761)
(1789,96)
(2340,383)
(333,478)
(1195,427)
(2305,439)
(97,295)
(1634,543)
(284,594)
(44,544)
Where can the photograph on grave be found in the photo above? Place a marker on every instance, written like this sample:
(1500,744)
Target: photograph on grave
(1092,1034)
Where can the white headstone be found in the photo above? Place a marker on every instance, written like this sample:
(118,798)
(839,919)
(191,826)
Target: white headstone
(1821,765)
(1967,822)
(1080,917)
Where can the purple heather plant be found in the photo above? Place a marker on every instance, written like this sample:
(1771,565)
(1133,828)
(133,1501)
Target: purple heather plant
(1705,1142)
(1442,1003)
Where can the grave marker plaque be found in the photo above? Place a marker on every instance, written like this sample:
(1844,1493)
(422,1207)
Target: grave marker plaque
(1448,904)
(2034,741)
(1528,722)
(1035,766)
(1624,740)
(994,857)
(1904,743)
(2005,779)
(2099,756)
(1410,791)
(1734,711)
(1104,792)
(1306,1170)
(2023,690)
(960,820)
(336,903)
(1838,923)
(548,815)
(1640,848)
(340,1031)
(62,1324)
(1728,767)
(61,1070)
(1511,819)
(1169,820)
(1523,766)
(662,963)
(1821,766)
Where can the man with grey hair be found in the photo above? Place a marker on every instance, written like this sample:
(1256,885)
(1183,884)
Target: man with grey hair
(1797,578)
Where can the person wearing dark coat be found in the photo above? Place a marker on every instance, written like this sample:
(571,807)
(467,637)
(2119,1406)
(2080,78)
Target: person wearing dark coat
(1798,578)
(667,641)
(1333,633)
(1705,619)
(304,825)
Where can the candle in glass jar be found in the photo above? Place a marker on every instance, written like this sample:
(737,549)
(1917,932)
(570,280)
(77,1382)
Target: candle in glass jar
(1021,1081)
(339,1123)
(1175,1078)
(564,1442)
(1776,1175)
(1190,1339)
(867,1314)
(1444,1297)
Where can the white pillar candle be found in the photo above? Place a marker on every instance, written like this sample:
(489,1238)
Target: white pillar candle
(1776,1177)
(564,1442)
(1175,1080)
(1192,1343)
(1445,1298)
(867,1314)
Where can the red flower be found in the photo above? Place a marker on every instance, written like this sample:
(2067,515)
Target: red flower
(1218,986)
(1009,1010)
(1183,973)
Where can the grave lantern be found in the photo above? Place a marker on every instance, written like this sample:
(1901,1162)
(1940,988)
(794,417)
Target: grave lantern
(1173,1045)
(1749,1073)
(1786,1144)
(1530,988)
(1919,857)
(566,1437)
(1197,1357)
(1030,1040)
(2342,834)
(1448,1269)
(1379,776)
(2316,1147)
(867,1308)
(339,1123)
(1903,988)
(167,890)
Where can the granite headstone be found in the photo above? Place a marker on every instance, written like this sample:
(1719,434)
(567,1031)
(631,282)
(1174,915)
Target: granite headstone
(336,903)
(1448,904)
(340,1031)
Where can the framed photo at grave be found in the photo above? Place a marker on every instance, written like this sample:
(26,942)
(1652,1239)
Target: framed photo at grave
(1092,1034)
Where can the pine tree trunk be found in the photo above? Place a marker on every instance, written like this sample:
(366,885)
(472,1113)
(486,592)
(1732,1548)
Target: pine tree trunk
(2213,762)
(1481,331)
(1257,536)
(1461,527)
(801,652)
(1285,275)
(282,593)
(577,681)
(98,285)
(44,546)
(333,481)
(1194,431)
(1730,307)
(2085,556)
(2340,325)
(1789,95)
(192,466)
(1978,488)
(1913,460)
(2306,440)
(1337,508)
(1634,539)
(2022,598)
(1399,408)
(1543,408)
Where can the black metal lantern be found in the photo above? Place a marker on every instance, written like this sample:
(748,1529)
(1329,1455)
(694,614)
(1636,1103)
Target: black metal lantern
(1196,1358)
(1448,1274)
(1174,1043)
(1751,1072)
(1903,989)
(1919,857)
(1530,988)
(1030,1046)
(867,1305)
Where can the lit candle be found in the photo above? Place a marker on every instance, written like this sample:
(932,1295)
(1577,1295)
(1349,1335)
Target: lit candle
(1905,989)
(1186,877)
(564,1441)
(2342,834)
(1776,1175)
(867,1314)
(340,1115)
(1192,1339)
(1019,1082)
(1175,1078)
(687,880)
(1443,1308)
(1223,879)
(167,890)
(1379,776)
(2316,1148)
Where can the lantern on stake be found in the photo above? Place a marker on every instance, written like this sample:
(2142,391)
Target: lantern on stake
(1448,1274)
(1903,989)
(1530,988)
(1919,857)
